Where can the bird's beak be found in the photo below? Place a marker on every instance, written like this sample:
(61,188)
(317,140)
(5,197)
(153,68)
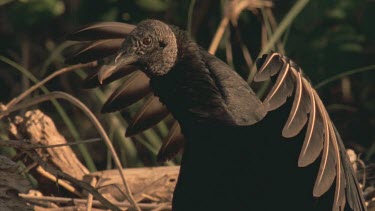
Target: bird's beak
(121,60)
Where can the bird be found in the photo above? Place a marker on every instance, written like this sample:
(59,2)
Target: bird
(240,152)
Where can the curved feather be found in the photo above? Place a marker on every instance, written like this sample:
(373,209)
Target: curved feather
(173,143)
(282,89)
(90,51)
(301,106)
(91,81)
(339,198)
(321,138)
(326,173)
(134,89)
(283,73)
(151,113)
(270,65)
(354,196)
(102,30)
(313,142)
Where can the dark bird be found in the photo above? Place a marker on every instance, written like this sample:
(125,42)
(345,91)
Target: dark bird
(240,152)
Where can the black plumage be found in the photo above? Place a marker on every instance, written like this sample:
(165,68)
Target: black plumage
(240,153)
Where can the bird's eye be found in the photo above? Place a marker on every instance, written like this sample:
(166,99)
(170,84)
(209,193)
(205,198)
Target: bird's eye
(146,41)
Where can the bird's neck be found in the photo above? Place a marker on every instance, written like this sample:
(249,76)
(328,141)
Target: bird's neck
(205,92)
(185,45)
(177,89)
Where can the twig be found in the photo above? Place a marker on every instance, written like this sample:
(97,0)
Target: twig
(228,49)
(94,202)
(27,92)
(93,119)
(33,155)
(26,145)
(288,19)
(273,25)
(29,167)
(343,74)
(245,51)
(363,165)
(90,197)
(161,207)
(113,185)
(89,162)
(64,184)
(218,35)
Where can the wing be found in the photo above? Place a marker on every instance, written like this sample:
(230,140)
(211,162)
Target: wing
(321,138)
(241,103)
(102,40)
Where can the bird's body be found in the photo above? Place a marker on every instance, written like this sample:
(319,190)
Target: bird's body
(238,154)
(226,166)
(249,168)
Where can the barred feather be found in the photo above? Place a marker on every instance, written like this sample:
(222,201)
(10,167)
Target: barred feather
(321,137)
(151,113)
(134,89)
(90,51)
(102,30)
(173,143)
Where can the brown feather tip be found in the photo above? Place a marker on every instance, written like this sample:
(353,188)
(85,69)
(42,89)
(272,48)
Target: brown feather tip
(151,113)
(133,89)
(282,89)
(268,65)
(173,143)
(91,81)
(321,138)
(102,30)
(90,51)
(300,108)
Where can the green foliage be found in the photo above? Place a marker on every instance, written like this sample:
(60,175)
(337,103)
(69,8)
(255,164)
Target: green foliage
(154,5)
(328,33)
(29,13)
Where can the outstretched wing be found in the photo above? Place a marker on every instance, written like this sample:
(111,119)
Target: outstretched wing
(321,139)
(102,40)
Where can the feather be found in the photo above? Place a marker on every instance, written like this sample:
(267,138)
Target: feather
(321,136)
(90,51)
(152,112)
(339,198)
(102,30)
(353,191)
(135,88)
(271,65)
(282,89)
(327,173)
(313,142)
(91,81)
(173,143)
(298,114)
(283,73)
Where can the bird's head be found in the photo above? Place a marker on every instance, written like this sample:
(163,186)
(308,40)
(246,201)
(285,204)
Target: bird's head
(151,46)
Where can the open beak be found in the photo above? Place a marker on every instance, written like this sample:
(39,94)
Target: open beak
(121,60)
